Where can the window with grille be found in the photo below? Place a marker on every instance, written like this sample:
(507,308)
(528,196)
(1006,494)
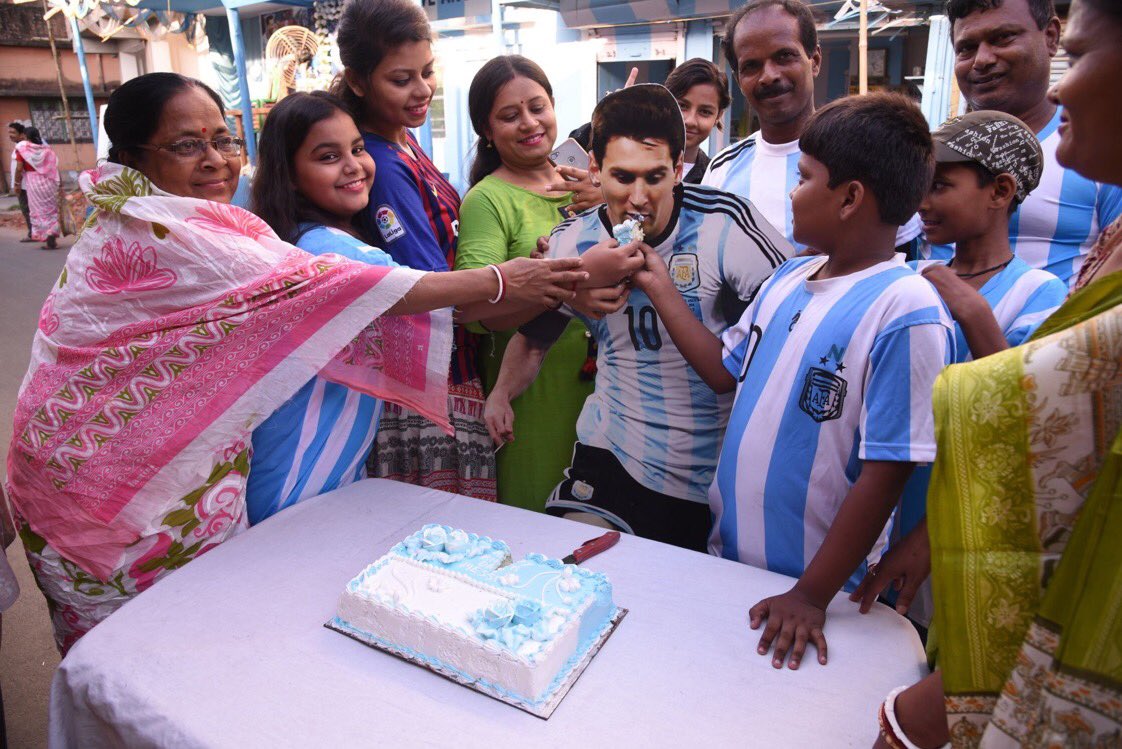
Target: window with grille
(49,117)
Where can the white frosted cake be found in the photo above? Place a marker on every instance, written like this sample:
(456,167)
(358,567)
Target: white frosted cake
(455,602)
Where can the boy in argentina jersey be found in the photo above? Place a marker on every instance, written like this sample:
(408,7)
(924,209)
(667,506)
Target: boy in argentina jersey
(648,436)
(1056,226)
(833,364)
(987,163)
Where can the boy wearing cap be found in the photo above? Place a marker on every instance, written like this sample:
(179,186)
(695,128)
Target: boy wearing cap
(986,163)
(833,364)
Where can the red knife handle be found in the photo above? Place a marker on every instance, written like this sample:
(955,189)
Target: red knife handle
(594,546)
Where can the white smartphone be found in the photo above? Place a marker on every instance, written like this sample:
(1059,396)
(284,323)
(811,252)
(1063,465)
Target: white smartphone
(569,153)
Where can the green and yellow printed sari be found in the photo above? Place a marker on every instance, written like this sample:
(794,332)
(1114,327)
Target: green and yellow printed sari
(1025,517)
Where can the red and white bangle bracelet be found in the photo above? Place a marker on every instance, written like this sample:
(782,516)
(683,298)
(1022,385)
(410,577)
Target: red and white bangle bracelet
(890,728)
(502,284)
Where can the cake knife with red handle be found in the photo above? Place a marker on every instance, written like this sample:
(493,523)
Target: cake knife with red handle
(592,547)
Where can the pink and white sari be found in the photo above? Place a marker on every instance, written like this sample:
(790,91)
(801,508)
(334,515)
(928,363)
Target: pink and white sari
(177,326)
(42,188)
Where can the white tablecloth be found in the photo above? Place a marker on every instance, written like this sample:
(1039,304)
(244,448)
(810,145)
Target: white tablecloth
(230,651)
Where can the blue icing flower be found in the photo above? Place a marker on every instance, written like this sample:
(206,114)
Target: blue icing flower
(527,612)
(457,542)
(499,613)
(433,538)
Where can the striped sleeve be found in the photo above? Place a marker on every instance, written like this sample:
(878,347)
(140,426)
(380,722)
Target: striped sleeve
(1108,205)
(737,340)
(749,248)
(897,421)
(321,240)
(1037,308)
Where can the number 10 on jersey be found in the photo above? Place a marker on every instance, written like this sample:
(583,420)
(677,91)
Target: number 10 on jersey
(642,324)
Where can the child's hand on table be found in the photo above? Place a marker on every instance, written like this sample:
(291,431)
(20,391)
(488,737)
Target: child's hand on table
(796,620)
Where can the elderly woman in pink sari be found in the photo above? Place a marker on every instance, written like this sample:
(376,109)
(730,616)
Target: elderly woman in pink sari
(178,325)
(37,166)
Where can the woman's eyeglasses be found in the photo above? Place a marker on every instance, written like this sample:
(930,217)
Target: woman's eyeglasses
(227,145)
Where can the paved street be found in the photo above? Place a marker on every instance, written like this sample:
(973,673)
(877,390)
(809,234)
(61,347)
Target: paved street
(27,654)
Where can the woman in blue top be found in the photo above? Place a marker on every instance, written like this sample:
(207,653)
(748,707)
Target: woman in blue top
(314,178)
(386,48)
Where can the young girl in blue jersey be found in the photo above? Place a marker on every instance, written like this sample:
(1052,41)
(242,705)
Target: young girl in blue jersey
(832,363)
(987,163)
(413,214)
(313,179)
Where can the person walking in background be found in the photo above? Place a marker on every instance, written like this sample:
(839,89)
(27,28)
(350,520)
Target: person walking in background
(37,171)
(508,207)
(414,215)
(16,134)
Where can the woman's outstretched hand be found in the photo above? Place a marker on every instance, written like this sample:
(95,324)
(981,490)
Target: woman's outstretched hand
(548,283)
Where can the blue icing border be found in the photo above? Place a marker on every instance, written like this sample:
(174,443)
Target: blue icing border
(562,675)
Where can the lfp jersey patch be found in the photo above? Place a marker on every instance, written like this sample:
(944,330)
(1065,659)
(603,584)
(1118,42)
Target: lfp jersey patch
(388,225)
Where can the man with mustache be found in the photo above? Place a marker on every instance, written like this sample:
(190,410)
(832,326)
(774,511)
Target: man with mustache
(1003,54)
(772,48)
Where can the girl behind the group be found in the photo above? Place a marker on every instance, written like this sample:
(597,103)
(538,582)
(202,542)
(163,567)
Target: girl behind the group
(313,180)
(702,91)
(508,207)
(414,212)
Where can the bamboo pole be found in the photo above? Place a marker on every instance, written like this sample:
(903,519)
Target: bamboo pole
(863,50)
(61,86)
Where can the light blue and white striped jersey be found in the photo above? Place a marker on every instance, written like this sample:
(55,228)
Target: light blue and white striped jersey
(1058,223)
(1021,299)
(319,439)
(650,408)
(830,373)
(766,173)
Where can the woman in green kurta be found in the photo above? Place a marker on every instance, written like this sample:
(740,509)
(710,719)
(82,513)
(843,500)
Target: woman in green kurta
(508,207)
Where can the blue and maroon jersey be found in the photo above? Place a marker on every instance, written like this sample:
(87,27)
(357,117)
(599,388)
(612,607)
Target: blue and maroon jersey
(414,216)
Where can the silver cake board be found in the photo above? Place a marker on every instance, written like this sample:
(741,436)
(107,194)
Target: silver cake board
(542,710)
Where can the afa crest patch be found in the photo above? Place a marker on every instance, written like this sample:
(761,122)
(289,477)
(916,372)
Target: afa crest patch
(823,395)
(684,271)
(388,225)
